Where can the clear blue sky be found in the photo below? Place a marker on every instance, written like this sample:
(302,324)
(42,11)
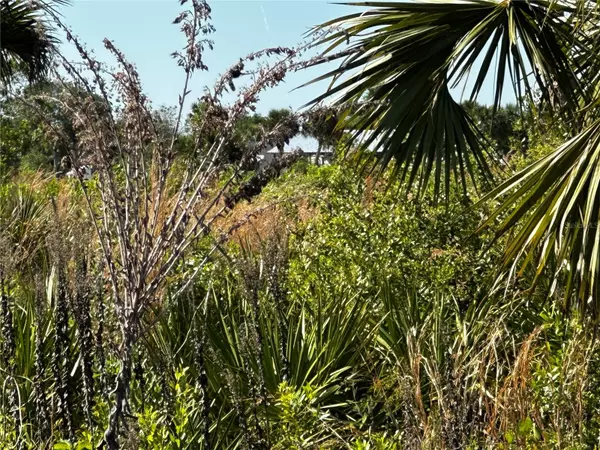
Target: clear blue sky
(143,30)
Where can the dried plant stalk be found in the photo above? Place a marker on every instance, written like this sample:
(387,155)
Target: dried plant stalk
(145,213)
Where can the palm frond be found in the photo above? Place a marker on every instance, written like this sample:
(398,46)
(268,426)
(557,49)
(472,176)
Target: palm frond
(554,207)
(26,37)
(410,54)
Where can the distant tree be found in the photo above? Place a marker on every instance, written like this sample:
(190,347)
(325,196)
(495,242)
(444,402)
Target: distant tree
(35,129)
(164,118)
(20,137)
(288,124)
(207,123)
(321,123)
(502,126)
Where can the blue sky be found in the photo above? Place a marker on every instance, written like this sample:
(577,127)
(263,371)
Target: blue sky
(143,30)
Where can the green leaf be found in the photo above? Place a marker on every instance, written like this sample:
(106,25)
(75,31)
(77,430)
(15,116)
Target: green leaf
(525,427)
(24,47)
(62,445)
(403,57)
(553,208)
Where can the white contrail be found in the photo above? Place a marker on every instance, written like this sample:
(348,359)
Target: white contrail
(265,18)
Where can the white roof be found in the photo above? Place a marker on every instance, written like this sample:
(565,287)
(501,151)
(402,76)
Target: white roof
(309,151)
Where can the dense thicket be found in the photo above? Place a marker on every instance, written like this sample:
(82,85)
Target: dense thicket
(342,316)
(169,295)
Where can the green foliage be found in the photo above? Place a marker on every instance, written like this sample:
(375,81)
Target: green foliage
(36,132)
(206,121)
(179,430)
(379,441)
(301,423)
(358,242)
(504,126)
(23,144)
(368,325)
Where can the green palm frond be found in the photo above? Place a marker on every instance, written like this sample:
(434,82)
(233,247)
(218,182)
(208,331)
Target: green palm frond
(409,54)
(23,224)
(554,206)
(26,39)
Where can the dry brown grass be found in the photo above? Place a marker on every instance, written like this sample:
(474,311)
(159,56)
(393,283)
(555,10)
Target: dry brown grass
(514,399)
(258,222)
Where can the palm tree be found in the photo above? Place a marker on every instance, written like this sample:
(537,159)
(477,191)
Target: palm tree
(26,39)
(409,54)
(321,123)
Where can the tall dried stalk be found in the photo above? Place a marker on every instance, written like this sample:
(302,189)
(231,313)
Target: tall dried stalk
(145,214)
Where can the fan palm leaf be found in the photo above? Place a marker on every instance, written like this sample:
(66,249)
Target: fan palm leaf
(553,208)
(409,54)
(26,38)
